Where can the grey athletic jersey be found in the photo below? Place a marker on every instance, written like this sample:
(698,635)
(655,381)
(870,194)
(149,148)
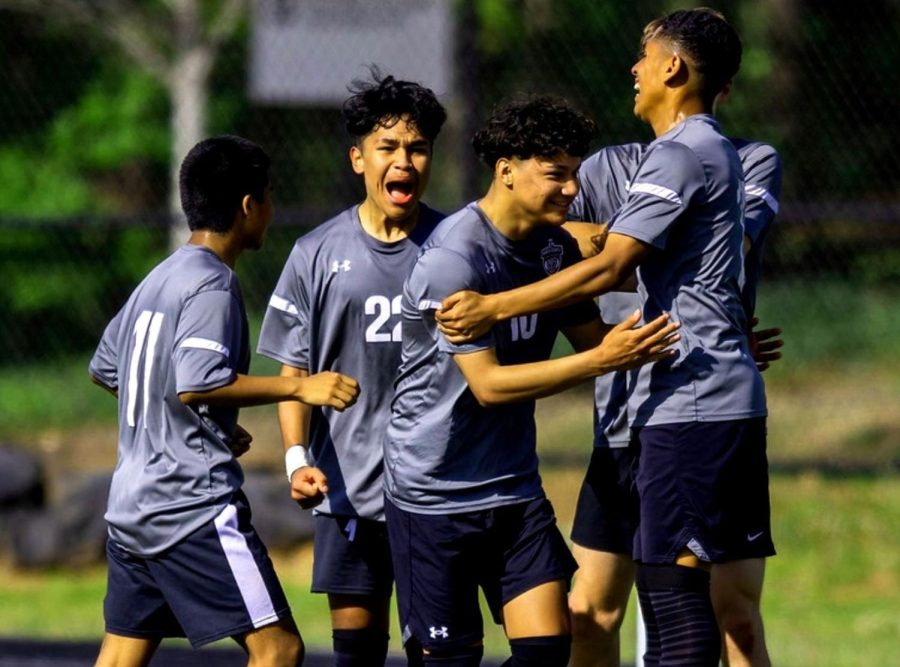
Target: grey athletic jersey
(443,451)
(184,328)
(687,201)
(337,307)
(604,178)
(762,190)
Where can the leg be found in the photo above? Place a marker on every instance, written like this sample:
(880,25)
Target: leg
(119,651)
(360,629)
(275,645)
(597,603)
(736,594)
(537,624)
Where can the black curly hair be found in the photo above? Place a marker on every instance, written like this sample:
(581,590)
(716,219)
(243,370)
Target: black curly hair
(533,126)
(706,40)
(384,100)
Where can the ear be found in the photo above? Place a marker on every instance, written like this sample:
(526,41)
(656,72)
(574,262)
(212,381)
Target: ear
(503,172)
(357,161)
(247,204)
(675,67)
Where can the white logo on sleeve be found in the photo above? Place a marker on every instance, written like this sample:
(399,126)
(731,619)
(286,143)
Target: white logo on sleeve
(441,632)
(755,536)
(340,266)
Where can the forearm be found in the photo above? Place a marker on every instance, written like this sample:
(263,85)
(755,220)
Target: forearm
(245,391)
(497,385)
(294,417)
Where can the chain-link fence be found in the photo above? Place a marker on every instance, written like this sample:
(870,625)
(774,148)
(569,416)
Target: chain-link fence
(87,135)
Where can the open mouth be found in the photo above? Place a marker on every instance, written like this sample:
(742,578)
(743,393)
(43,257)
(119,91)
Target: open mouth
(401,192)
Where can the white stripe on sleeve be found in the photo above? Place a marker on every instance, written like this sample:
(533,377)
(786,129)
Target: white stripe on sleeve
(762,193)
(245,570)
(429,304)
(282,304)
(205,344)
(657,191)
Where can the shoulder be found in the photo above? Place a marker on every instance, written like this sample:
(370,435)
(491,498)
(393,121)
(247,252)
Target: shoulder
(757,156)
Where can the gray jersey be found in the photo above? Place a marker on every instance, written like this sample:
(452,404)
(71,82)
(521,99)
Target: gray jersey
(686,201)
(605,178)
(443,451)
(184,328)
(337,307)
(762,189)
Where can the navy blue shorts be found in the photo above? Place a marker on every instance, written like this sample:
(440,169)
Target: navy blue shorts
(351,556)
(442,559)
(606,515)
(704,486)
(218,582)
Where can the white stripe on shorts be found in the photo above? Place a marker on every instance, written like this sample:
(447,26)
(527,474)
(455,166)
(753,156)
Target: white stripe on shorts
(245,570)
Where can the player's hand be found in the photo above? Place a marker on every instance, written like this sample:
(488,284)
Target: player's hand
(590,236)
(465,316)
(239,444)
(308,486)
(627,345)
(329,389)
(765,345)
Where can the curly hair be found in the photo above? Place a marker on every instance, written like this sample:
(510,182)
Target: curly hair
(215,177)
(533,127)
(384,100)
(703,37)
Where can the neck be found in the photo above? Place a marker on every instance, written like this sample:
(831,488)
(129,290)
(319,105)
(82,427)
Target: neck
(674,114)
(378,225)
(505,216)
(221,244)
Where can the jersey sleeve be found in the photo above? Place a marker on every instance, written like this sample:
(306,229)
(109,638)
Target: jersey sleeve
(583,206)
(105,362)
(285,329)
(437,274)
(762,190)
(666,183)
(207,341)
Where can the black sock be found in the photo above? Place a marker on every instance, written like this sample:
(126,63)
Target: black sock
(681,611)
(552,651)
(366,647)
(463,656)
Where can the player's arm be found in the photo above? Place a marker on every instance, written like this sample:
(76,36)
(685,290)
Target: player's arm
(328,388)
(590,236)
(465,315)
(308,483)
(623,347)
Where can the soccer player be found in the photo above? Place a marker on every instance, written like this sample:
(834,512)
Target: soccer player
(465,507)
(605,517)
(337,307)
(184,559)
(700,418)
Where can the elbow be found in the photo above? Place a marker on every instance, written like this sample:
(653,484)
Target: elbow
(187,397)
(486,397)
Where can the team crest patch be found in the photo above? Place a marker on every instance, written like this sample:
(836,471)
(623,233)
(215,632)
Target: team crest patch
(551,256)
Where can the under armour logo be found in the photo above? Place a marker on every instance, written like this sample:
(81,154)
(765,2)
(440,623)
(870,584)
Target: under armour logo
(491,268)
(340,266)
(439,632)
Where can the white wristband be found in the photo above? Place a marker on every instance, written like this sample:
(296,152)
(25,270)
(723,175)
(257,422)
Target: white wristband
(296,457)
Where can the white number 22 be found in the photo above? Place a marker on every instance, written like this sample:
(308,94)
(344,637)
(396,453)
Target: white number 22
(382,308)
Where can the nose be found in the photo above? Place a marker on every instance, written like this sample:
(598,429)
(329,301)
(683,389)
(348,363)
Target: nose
(570,187)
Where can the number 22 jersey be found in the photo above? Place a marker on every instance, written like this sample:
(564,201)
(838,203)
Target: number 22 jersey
(337,307)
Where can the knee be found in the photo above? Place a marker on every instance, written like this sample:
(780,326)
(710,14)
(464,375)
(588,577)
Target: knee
(741,626)
(590,619)
(287,651)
